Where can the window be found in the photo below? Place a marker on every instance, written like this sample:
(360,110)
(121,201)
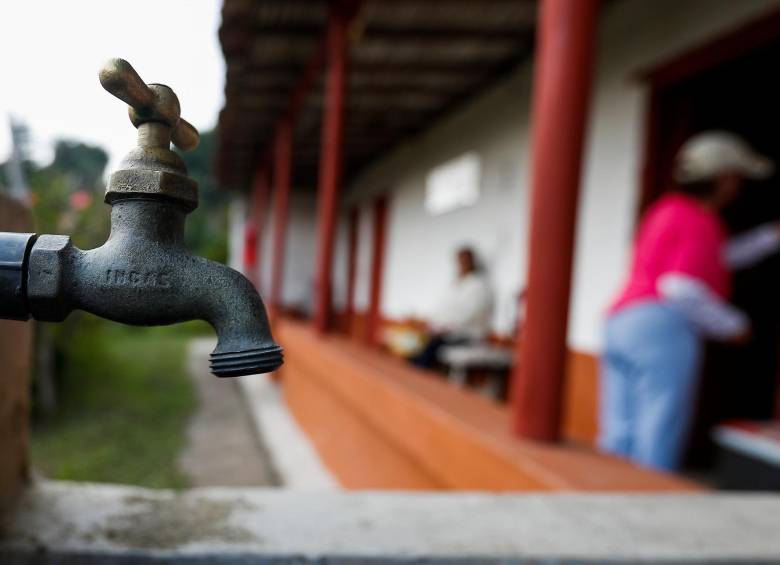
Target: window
(453,185)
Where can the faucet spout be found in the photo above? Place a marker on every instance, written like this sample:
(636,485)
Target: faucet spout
(144,275)
(245,344)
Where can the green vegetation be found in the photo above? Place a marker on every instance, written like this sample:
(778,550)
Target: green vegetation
(123,408)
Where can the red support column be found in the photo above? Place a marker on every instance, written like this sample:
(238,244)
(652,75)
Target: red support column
(281,207)
(253,229)
(330,163)
(562,83)
(377,265)
(250,250)
(352,243)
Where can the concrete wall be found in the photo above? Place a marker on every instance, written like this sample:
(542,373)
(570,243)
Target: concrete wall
(71,524)
(298,279)
(634,35)
(15,362)
(298,283)
(236,218)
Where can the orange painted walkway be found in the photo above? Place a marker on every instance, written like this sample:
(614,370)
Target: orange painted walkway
(377,423)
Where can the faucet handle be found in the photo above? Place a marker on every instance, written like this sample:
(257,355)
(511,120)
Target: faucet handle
(148,102)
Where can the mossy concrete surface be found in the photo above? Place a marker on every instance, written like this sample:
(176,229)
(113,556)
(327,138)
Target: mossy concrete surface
(64,523)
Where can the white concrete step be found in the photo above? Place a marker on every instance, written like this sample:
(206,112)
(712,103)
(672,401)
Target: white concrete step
(66,523)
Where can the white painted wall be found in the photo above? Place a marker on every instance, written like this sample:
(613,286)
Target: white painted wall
(341,263)
(420,250)
(363,257)
(298,278)
(266,252)
(298,282)
(634,35)
(236,220)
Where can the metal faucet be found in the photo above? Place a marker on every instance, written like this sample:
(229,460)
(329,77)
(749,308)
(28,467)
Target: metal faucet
(143,274)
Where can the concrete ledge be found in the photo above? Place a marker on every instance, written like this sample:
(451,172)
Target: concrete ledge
(68,523)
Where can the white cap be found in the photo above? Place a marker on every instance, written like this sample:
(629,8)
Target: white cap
(708,154)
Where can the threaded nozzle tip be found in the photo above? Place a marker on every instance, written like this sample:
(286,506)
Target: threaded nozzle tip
(249,362)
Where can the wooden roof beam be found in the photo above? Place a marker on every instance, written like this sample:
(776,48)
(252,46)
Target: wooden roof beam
(380,30)
(421,32)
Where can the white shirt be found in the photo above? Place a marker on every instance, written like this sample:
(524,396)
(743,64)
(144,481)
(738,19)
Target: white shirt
(465,309)
(716,318)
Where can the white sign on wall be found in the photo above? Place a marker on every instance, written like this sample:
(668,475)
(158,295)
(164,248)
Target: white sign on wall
(453,185)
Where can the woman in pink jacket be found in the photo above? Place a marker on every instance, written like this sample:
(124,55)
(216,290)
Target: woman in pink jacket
(676,296)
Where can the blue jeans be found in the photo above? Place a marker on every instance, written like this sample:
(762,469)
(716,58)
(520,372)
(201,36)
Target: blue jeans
(649,378)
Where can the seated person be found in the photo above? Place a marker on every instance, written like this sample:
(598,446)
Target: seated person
(463,314)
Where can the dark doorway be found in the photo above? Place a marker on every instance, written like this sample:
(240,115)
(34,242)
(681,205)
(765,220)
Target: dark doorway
(742,96)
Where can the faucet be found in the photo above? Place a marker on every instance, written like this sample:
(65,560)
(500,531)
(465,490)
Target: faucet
(143,275)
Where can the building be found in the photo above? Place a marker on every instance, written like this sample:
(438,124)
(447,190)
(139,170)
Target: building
(336,116)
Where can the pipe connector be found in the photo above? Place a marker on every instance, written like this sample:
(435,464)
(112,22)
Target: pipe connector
(14,255)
